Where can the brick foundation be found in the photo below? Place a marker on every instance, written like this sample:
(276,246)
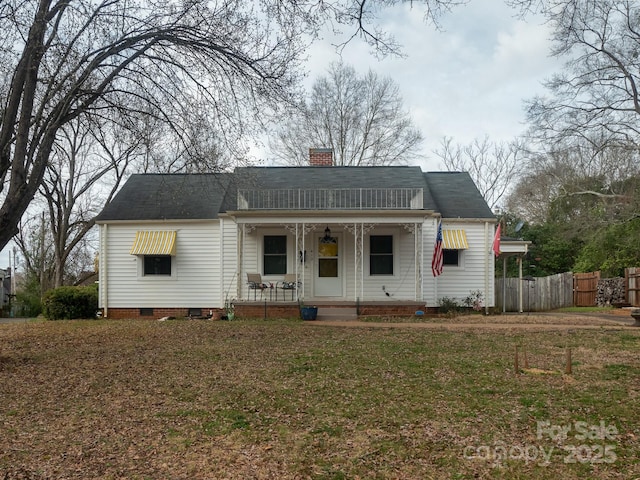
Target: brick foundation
(275,310)
(272,310)
(155,313)
(389,310)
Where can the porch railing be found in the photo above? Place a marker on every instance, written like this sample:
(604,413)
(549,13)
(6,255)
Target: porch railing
(331,199)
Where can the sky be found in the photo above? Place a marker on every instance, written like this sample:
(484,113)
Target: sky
(467,80)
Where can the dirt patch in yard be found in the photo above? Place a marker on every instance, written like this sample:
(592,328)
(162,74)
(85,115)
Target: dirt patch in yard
(532,321)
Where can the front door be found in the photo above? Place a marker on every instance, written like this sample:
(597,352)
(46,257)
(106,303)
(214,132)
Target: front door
(328,271)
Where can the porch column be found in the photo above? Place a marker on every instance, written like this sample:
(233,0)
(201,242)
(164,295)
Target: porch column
(356,261)
(357,230)
(298,259)
(417,239)
(303,248)
(520,309)
(504,284)
(360,242)
(240,259)
(359,260)
(300,231)
(416,230)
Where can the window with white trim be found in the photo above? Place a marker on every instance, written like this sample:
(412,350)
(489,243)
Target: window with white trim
(274,257)
(156,265)
(381,255)
(451,257)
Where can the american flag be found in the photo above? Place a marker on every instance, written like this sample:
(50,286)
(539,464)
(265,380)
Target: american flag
(437,261)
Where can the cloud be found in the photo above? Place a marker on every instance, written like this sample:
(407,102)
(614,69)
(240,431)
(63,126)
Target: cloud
(465,80)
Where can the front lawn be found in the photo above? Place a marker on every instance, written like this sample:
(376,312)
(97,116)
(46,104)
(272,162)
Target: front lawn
(294,400)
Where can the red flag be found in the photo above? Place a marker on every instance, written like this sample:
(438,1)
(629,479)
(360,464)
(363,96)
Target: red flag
(437,260)
(496,242)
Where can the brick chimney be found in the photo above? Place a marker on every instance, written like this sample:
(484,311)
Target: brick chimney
(320,157)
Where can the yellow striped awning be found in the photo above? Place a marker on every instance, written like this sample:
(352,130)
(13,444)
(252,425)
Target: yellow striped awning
(154,243)
(454,239)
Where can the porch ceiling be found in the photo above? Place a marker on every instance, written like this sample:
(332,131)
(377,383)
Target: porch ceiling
(335,216)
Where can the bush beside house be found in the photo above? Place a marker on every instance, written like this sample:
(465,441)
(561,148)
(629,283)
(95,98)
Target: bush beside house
(66,303)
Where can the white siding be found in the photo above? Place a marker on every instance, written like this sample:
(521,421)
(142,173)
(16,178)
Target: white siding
(476,268)
(209,267)
(400,285)
(196,274)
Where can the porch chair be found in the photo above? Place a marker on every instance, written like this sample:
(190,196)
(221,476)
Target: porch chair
(290,282)
(254,282)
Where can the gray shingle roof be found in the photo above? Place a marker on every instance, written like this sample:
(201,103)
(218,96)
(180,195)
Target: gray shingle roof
(168,197)
(204,196)
(457,196)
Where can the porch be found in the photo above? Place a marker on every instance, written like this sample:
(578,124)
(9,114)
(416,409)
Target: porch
(337,244)
(379,259)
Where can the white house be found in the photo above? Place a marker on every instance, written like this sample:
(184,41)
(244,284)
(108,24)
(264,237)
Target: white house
(178,244)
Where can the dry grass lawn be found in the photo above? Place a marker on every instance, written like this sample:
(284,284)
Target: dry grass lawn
(297,400)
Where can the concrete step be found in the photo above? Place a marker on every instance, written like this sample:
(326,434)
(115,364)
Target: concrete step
(337,313)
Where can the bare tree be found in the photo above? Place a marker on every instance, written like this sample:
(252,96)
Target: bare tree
(598,90)
(66,59)
(87,165)
(62,59)
(198,147)
(493,166)
(579,183)
(36,246)
(585,131)
(360,117)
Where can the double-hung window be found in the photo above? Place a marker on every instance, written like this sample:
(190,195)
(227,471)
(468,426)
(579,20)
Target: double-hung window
(381,255)
(275,255)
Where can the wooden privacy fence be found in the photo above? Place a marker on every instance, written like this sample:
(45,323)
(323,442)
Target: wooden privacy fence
(561,290)
(632,285)
(585,287)
(538,294)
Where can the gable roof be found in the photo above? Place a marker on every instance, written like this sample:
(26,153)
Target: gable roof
(456,195)
(204,196)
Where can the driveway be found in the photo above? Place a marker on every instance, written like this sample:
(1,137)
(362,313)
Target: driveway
(14,320)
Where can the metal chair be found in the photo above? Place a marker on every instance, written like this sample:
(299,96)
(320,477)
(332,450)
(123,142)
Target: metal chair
(254,282)
(290,282)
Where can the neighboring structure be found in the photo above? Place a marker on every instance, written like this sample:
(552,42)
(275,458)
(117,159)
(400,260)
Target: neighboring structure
(7,288)
(518,248)
(362,236)
(4,291)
